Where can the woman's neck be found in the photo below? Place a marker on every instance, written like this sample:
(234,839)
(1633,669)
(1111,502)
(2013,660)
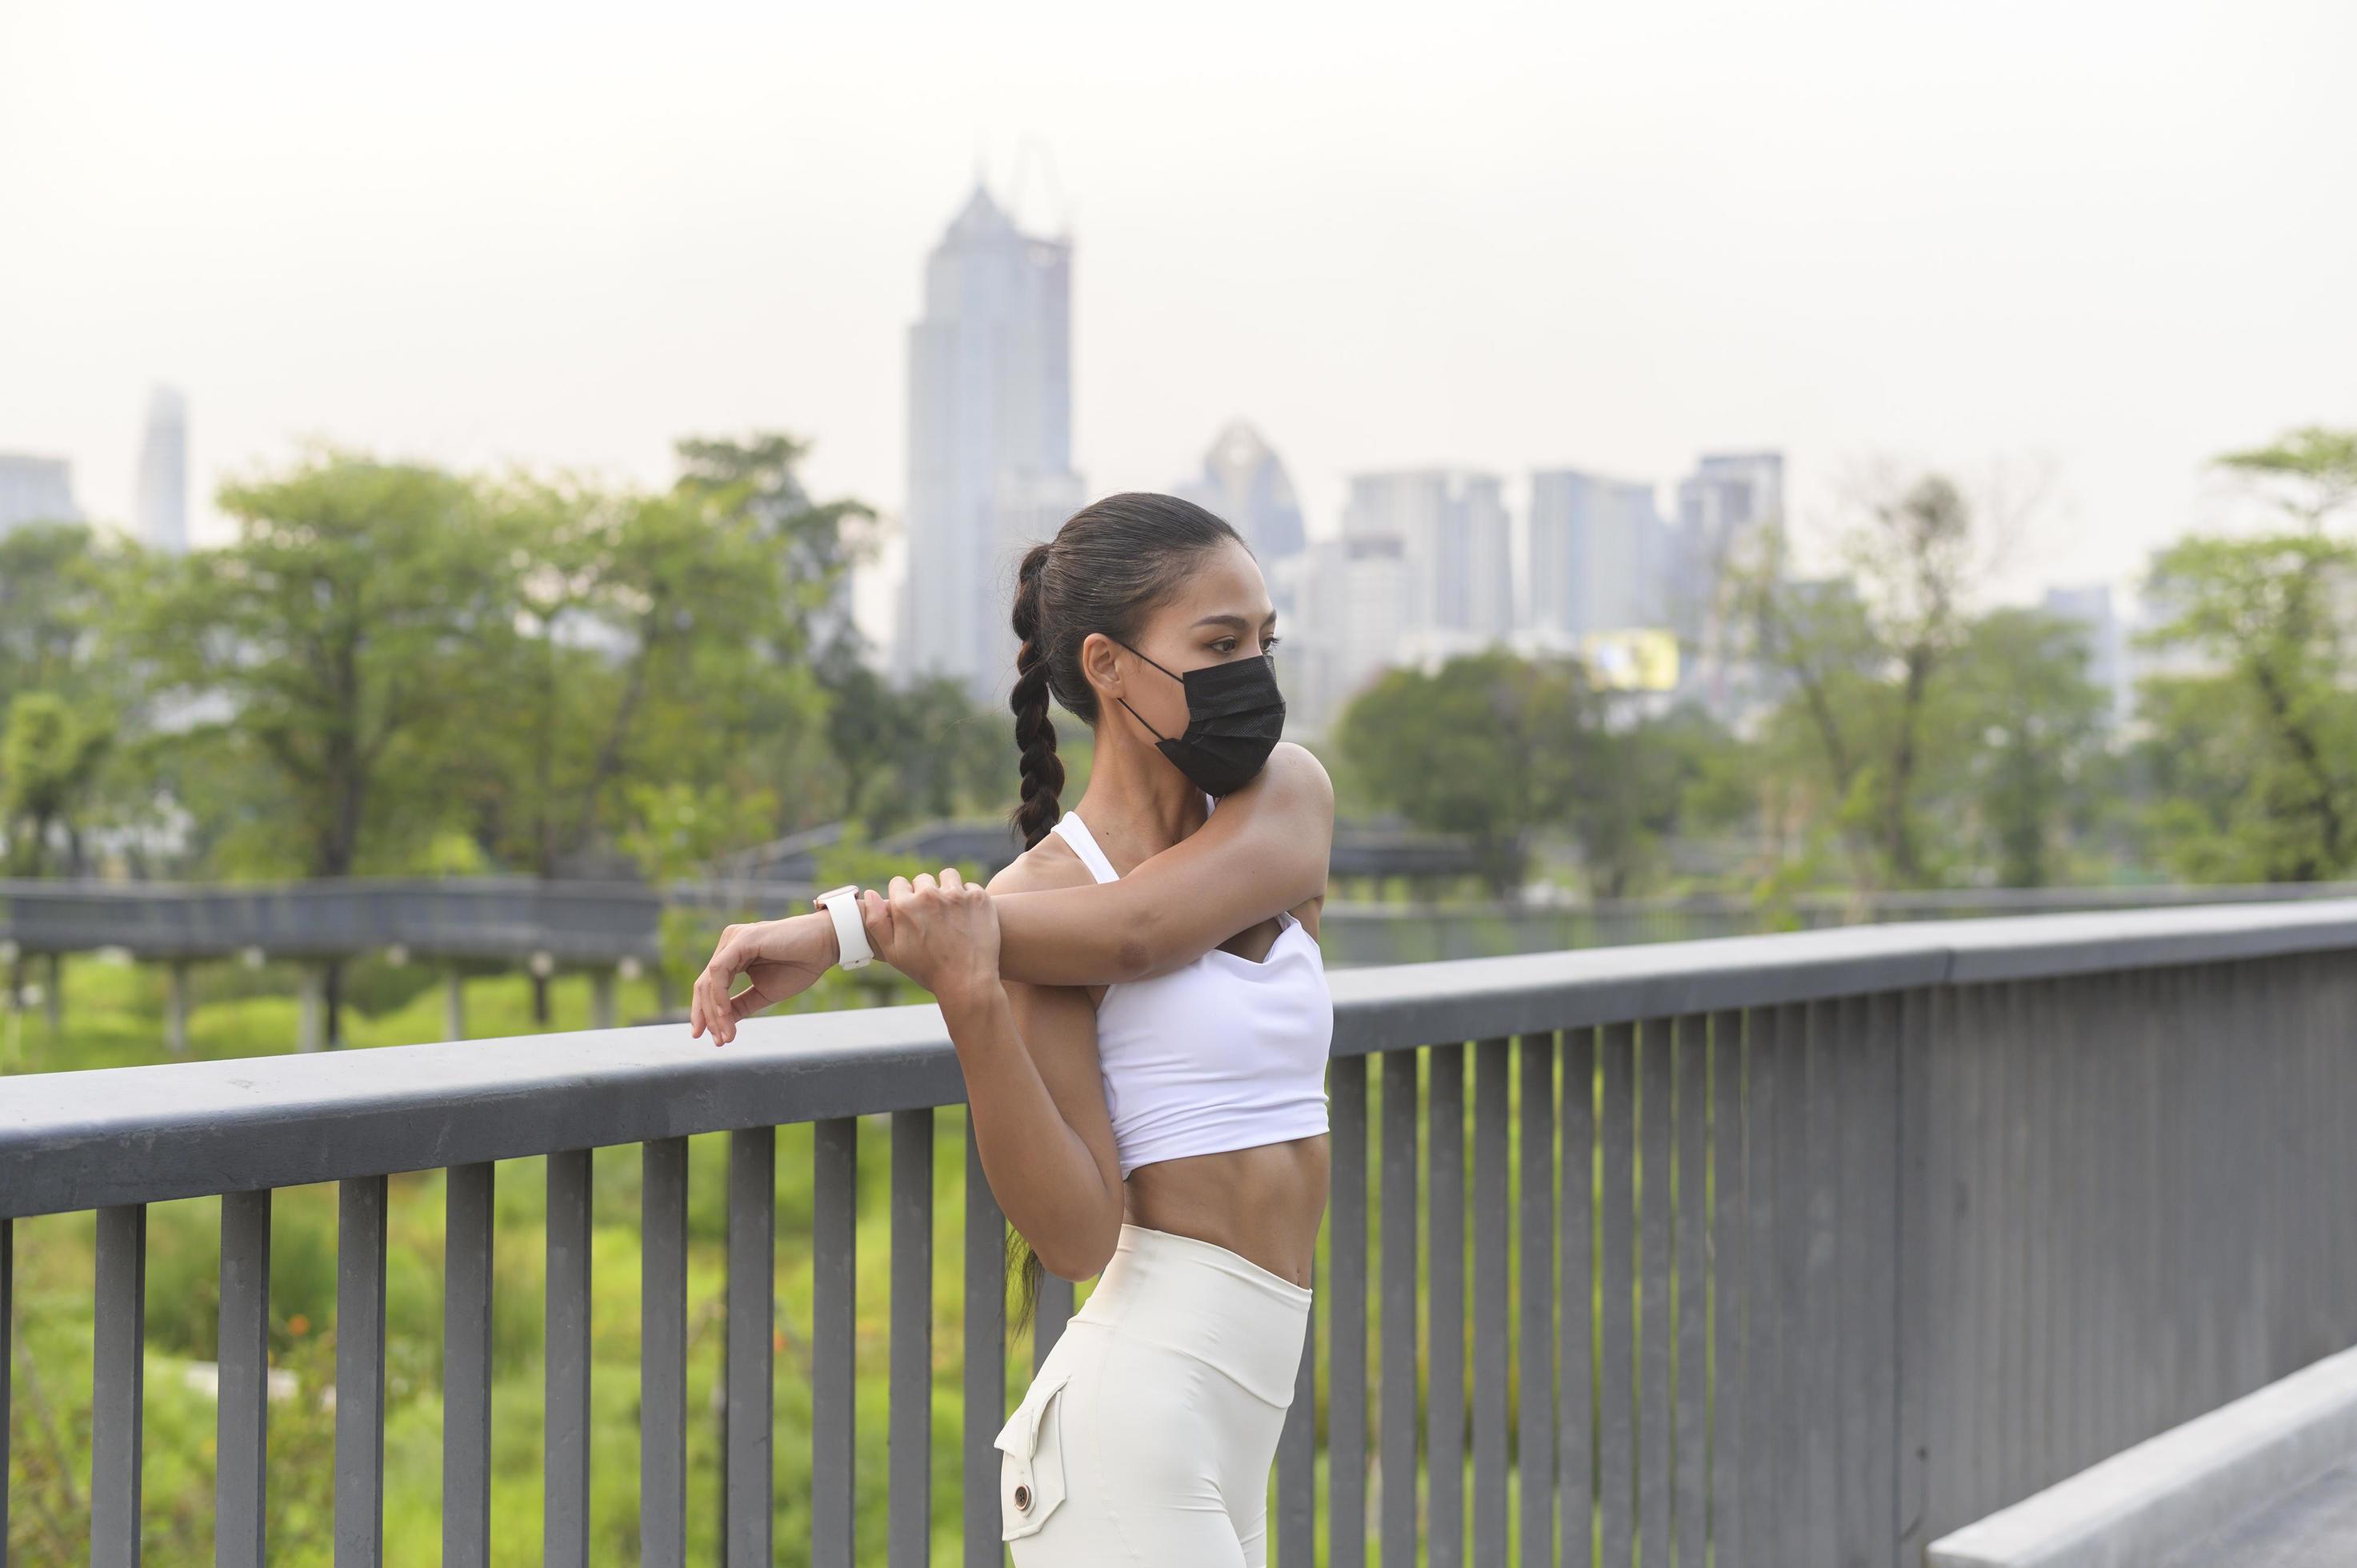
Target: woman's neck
(1138,801)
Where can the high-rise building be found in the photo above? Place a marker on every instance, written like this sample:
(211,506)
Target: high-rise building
(163,503)
(1455,543)
(1349,623)
(1244,481)
(1729,509)
(990,440)
(1724,507)
(2091,609)
(36,490)
(1599,553)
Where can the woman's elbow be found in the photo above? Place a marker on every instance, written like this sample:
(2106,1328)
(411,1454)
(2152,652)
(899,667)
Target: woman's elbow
(1081,1258)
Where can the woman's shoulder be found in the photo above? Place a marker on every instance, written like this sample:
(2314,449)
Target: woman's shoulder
(1049,864)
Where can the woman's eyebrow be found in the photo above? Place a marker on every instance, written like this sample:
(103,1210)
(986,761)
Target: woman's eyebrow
(1234,620)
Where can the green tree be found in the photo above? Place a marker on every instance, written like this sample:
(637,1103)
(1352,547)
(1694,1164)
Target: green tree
(664,638)
(1858,659)
(1489,746)
(48,758)
(343,631)
(2027,728)
(2260,748)
(2251,752)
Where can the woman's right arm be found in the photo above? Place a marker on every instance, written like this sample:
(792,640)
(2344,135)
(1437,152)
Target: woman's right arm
(1041,1126)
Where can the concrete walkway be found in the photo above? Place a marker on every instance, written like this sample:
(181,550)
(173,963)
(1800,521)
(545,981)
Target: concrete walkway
(2314,1527)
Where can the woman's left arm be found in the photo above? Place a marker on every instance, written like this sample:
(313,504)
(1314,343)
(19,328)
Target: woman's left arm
(1264,850)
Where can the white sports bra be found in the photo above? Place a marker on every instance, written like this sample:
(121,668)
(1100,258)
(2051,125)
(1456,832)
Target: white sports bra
(1219,1054)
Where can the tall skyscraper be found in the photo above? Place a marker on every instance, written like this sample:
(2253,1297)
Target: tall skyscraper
(1349,599)
(1725,509)
(990,441)
(36,490)
(1455,543)
(1245,481)
(1724,506)
(1599,553)
(2108,665)
(163,504)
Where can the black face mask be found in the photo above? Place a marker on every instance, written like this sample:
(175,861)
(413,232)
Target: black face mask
(1234,717)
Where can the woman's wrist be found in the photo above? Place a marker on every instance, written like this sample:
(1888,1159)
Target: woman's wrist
(820,934)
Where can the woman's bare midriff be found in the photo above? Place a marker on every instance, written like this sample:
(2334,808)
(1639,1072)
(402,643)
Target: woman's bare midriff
(1262,1203)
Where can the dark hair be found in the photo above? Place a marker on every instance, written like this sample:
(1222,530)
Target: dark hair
(1111,566)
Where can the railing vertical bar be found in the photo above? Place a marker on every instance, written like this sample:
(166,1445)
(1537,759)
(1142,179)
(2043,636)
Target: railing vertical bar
(1975,1333)
(1870,1236)
(985,1360)
(835,1151)
(1490,1300)
(1729,1269)
(749,1347)
(1689,1372)
(1818,1303)
(2020,1224)
(1396,1413)
(118,1356)
(2136,1184)
(564,1486)
(1574,1353)
(7,1361)
(2042,1323)
(910,1431)
(1655,1328)
(1924,1241)
(1766,1435)
(2169,999)
(1616,1389)
(1297,1451)
(467,1194)
(1346,1398)
(242,1429)
(360,1371)
(1445,1344)
(1846,1044)
(1535,1204)
(2084,1148)
(662,1354)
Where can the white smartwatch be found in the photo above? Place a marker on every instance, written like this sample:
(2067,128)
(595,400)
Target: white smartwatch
(850,931)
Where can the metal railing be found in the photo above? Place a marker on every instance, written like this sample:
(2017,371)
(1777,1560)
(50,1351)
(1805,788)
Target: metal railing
(1787,1250)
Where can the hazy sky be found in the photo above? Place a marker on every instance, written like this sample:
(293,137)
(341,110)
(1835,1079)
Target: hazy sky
(2109,239)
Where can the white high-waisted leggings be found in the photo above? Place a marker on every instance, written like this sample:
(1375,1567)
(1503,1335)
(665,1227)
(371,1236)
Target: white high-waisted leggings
(1146,1435)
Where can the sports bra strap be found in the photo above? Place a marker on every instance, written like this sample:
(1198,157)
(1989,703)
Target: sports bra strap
(1075,832)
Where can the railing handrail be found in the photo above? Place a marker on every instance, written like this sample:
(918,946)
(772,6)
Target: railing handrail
(72,1140)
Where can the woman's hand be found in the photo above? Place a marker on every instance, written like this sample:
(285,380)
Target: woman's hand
(783,957)
(943,935)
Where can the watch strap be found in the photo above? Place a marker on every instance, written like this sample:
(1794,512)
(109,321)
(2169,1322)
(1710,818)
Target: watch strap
(850,933)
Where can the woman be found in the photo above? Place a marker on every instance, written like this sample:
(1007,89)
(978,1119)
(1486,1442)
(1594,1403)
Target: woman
(1139,1005)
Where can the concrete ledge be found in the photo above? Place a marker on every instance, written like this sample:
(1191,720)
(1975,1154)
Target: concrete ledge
(2145,1503)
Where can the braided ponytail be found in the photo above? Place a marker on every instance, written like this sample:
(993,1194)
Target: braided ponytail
(1034,736)
(1110,563)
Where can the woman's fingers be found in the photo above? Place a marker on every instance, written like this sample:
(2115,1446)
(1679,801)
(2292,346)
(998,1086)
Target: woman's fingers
(951,880)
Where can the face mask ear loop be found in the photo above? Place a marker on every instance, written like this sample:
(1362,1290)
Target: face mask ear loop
(1141,719)
(1133,711)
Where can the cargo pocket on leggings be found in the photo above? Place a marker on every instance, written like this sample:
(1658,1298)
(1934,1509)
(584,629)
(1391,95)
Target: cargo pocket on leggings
(1031,1473)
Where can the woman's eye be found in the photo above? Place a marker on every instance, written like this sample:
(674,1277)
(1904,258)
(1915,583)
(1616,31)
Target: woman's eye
(1270,646)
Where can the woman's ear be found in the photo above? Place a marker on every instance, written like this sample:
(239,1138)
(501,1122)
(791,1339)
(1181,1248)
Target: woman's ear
(1100,665)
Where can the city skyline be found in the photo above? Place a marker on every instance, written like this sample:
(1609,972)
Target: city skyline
(1834,232)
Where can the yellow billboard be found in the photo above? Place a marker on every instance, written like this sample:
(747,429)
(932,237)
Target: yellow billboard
(1641,659)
